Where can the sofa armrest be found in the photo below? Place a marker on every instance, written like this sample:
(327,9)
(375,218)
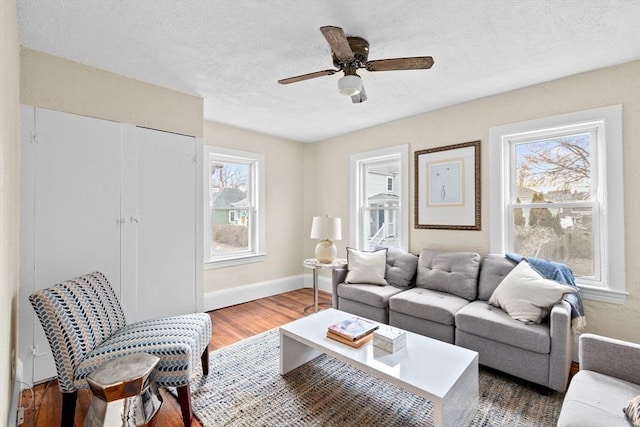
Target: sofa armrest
(561,346)
(337,276)
(609,356)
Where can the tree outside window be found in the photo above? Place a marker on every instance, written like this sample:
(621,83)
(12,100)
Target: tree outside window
(554,202)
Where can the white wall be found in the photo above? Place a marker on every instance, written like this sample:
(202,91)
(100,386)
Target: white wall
(472,121)
(284,164)
(9,195)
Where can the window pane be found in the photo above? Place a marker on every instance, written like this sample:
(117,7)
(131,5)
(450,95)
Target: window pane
(554,170)
(558,234)
(382,203)
(381,228)
(230,207)
(229,236)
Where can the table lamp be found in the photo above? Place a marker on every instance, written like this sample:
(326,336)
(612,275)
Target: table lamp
(327,229)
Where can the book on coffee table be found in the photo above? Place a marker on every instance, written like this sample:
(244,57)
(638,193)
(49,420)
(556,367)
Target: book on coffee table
(353,343)
(353,328)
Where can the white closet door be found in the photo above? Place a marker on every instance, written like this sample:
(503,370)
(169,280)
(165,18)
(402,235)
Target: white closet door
(165,223)
(75,162)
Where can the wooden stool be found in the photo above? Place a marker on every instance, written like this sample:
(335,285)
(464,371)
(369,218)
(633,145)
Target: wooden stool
(123,393)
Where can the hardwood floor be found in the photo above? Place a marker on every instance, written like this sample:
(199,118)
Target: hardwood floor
(230,325)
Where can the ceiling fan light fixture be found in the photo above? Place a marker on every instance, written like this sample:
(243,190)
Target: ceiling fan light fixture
(350,85)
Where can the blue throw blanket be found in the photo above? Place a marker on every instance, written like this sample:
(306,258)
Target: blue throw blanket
(561,274)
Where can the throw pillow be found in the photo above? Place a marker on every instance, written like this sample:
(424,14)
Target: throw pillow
(527,296)
(401,267)
(366,267)
(632,411)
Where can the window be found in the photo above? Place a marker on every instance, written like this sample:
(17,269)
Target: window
(559,196)
(234,207)
(379,199)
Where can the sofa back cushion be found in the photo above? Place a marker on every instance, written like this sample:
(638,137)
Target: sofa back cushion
(494,269)
(401,268)
(453,272)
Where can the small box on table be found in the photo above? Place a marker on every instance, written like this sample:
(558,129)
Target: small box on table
(389,338)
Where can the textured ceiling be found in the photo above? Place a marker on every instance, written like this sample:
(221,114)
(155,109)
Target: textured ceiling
(232,52)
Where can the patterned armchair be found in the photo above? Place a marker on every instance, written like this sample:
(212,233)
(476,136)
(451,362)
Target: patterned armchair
(85,326)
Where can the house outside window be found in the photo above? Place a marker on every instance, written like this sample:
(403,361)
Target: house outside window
(234,207)
(559,196)
(379,199)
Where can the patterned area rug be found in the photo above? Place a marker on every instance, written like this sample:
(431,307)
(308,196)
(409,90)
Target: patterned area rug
(244,388)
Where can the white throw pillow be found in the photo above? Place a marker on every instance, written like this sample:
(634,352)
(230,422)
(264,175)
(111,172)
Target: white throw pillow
(527,296)
(366,267)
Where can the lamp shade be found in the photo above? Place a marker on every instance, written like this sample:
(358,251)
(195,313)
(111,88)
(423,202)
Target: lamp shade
(326,228)
(350,85)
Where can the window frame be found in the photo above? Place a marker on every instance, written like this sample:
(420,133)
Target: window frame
(357,205)
(607,194)
(256,195)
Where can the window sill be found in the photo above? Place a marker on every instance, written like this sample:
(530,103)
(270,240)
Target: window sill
(232,262)
(593,293)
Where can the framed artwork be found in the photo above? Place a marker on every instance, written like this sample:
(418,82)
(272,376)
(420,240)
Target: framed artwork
(447,187)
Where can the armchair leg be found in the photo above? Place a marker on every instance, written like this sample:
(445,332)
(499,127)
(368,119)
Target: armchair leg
(205,361)
(68,408)
(184,398)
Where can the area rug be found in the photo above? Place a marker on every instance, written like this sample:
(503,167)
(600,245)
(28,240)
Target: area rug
(244,388)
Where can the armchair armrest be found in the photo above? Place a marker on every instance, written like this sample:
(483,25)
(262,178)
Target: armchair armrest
(609,356)
(337,276)
(561,346)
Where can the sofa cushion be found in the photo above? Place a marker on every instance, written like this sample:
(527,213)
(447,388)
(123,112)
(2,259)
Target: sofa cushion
(595,399)
(376,296)
(494,268)
(484,320)
(526,295)
(366,267)
(452,272)
(401,267)
(427,304)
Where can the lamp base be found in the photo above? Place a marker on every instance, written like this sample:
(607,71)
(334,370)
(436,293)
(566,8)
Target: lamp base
(326,252)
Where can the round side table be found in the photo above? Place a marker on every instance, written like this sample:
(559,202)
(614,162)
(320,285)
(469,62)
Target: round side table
(315,266)
(123,392)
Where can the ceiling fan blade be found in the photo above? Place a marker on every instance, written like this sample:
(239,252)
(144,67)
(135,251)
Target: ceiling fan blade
(307,76)
(338,42)
(359,98)
(413,63)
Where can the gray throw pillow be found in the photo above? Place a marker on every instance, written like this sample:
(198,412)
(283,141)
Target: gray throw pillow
(401,267)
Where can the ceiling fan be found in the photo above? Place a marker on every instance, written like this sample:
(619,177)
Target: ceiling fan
(350,54)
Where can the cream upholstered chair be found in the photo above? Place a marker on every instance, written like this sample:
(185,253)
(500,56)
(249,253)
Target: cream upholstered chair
(85,326)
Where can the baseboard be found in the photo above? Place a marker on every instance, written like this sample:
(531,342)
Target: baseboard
(240,294)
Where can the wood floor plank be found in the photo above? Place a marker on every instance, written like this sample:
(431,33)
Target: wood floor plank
(230,325)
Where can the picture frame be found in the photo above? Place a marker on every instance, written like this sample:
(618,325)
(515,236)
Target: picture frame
(447,187)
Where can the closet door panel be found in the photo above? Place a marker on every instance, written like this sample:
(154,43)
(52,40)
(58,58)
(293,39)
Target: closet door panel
(77,198)
(166,224)
(76,205)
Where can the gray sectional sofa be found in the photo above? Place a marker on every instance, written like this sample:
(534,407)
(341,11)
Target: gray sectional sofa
(444,295)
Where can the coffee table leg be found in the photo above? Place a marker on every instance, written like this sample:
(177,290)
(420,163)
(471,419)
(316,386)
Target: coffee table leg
(294,353)
(459,405)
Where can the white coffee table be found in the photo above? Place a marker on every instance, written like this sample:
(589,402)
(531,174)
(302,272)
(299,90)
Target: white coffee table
(442,373)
